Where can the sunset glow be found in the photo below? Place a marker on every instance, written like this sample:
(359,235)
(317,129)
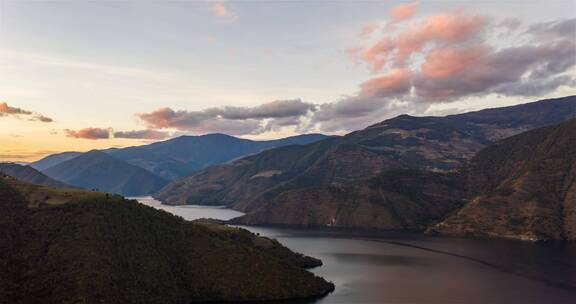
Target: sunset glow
(70,82)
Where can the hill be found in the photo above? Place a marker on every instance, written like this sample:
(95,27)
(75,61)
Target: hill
(105,249)
(52,160)
(98,170)
(439,144)
(523,187)
(30,175)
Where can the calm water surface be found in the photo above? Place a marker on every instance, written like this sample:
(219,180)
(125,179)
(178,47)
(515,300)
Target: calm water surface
(401,268)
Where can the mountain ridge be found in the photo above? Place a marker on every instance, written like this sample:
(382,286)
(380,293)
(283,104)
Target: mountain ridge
(162,161)
(404,142)
(30,175)
(522,187)
(98,170)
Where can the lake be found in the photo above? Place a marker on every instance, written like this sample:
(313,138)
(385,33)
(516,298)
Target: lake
(402,268)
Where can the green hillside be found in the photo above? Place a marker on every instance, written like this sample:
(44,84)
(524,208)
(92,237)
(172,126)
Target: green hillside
(105,249)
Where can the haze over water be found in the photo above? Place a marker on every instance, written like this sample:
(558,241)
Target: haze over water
(406,268)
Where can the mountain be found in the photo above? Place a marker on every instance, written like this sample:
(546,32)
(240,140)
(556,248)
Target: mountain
(178,157)
(405,200)
(98,170)
(30,175)
(52,160)
(439,144)
(523,187)
(96,248)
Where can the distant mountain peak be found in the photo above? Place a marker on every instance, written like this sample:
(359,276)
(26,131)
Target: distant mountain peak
(29,175)
(157,162)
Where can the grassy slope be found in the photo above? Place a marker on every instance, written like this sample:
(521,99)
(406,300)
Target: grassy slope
(110,250)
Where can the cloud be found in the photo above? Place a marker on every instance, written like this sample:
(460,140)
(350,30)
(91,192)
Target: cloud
(142,134)
(222,11)
(503,72)
(448,57)
(274,109)
(554,29)
(445,62)
(6,110)
(402,12)
(42,118)
(417,67)
(89,133)
(448,28)
(355,112)
(394,82)
(231,120)
(368,29)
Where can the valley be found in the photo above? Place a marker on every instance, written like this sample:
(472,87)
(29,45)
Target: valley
(287,152)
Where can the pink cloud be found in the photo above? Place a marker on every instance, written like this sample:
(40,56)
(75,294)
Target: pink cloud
(6,110)
(445,62)
(368,29)
(89,133)
(229,119)
(394,82)
(221,10)
(403,12)
(458,62)
(516,71)
(449,28)
(161,118)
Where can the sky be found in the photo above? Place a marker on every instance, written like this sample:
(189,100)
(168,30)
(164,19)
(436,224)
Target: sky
(80,75)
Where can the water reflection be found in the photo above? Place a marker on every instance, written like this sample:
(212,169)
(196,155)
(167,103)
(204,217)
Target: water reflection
(191,212)
(396,268)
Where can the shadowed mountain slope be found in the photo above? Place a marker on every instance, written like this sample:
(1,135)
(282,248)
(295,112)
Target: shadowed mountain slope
(30,175)
(98,170)
(53,160)
(406,200)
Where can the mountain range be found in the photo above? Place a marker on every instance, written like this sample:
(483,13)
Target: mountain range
(406,173)
(145,169)
(438,144)
(522,187)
